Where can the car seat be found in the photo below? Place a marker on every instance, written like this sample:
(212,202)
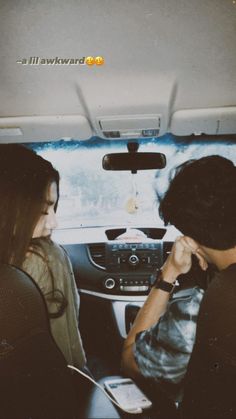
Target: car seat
(35,381)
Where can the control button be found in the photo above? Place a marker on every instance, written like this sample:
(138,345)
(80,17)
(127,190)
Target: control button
(109,283)
(144,288)
(129,289)
(133,289)
(133,260)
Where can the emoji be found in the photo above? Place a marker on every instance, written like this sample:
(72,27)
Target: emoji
(90,60)
(99,60)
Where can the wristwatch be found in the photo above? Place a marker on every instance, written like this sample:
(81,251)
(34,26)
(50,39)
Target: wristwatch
(164,285)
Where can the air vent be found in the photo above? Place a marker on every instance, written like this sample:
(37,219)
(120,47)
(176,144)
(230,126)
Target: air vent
(97,253)
(167,246)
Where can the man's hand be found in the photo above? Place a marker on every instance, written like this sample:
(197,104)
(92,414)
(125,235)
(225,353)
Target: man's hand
(180,259)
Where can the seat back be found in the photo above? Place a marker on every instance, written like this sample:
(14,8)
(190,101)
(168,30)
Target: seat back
(35,381)
(210,381)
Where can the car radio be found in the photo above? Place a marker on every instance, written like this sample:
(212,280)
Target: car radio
(126,283)
(127,267)
(131,266)
(130,257)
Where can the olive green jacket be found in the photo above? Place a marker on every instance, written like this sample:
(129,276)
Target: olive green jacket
(50,261)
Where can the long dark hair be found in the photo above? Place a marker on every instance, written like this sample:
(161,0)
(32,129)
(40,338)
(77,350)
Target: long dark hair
(24,181)
(55,297)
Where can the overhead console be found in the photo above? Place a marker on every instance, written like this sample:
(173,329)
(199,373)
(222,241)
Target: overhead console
(134,107)
(130,126)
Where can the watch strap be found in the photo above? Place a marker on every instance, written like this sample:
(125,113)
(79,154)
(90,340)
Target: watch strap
(164,285)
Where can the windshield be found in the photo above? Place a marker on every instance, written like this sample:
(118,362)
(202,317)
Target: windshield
(91,196)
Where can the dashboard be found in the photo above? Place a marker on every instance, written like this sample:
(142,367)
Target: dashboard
(117,268)
(118,262)
(114,269)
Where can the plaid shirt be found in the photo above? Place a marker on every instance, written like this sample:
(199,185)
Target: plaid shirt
(163,351)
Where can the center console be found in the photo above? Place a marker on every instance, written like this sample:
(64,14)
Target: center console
(132,265)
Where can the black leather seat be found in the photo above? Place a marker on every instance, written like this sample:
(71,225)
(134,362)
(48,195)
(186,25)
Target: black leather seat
(34,379)
(35,382)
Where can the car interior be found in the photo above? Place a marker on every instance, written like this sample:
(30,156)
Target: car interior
(117,94)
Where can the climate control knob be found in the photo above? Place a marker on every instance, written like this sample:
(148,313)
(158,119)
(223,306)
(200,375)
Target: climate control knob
(109,283)
(133,260)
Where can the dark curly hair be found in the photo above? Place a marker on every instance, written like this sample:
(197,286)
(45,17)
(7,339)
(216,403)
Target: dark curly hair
(201,201)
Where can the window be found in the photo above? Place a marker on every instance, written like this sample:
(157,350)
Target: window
(91,196)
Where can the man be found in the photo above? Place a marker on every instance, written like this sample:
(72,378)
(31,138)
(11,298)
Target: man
(201,203)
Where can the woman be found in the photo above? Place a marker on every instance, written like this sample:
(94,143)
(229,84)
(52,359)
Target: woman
(29,191)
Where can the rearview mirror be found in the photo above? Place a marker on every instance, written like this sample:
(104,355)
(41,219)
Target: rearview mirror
(134,161)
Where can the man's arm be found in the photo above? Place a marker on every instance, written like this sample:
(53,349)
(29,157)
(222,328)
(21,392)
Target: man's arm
(178,262)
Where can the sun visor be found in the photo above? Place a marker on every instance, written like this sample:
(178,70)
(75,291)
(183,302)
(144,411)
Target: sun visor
(204,121)
(44,128)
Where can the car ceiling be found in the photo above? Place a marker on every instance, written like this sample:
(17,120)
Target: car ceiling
(166,58)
